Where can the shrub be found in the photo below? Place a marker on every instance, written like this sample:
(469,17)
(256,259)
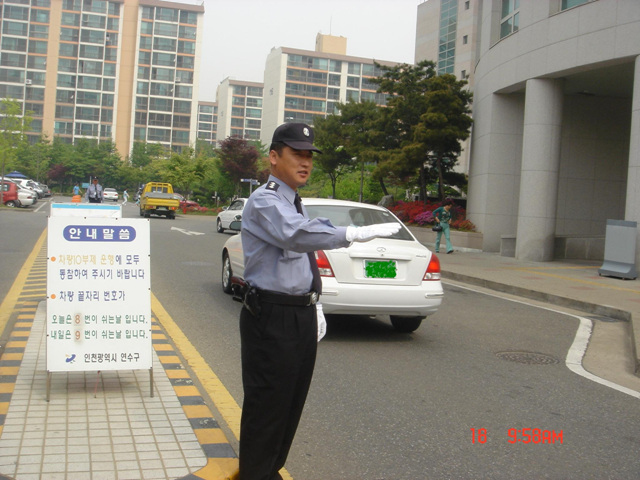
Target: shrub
(420,213)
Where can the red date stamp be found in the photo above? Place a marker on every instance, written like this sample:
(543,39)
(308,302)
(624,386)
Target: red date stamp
(521,435)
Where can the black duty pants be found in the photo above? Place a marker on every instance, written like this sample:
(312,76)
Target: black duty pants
(278,356)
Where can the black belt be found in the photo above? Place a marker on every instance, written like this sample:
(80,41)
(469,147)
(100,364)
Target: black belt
(304,300)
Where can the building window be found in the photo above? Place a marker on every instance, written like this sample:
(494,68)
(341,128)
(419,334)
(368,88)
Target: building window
(463,74)
(188,17)
(467,5)
(572,3)
(447,39)
(465,39)
(509,22)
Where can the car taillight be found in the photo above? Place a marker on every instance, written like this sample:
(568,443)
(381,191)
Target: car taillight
(433,270)
(323,264)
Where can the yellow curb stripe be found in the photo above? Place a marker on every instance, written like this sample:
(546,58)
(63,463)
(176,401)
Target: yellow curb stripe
(221,469)
(225,403)
(8,304)
(7,387)
(206,429)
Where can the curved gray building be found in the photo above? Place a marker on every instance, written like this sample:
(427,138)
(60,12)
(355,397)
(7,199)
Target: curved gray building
(555,148)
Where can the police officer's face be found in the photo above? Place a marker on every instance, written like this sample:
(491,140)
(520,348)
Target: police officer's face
(292,166)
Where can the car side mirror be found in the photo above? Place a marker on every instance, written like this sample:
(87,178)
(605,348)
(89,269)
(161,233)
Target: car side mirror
(235,225)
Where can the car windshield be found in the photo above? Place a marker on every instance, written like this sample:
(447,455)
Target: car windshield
(345,216)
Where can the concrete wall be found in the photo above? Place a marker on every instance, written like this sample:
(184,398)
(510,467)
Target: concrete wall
(589,53)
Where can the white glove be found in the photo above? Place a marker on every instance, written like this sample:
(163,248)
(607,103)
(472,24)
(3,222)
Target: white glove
(322,323)
(364,234)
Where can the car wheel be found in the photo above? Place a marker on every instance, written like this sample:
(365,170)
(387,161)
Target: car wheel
(219,226)
(141,213)
(11,204)
(405,324)
(227,273)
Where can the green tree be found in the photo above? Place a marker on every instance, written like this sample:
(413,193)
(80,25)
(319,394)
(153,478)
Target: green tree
(429,117)
(142,154)
(36,158)
(185,171)
(445,124)
(334,161)
(406,86)
(13,125)
(355,136)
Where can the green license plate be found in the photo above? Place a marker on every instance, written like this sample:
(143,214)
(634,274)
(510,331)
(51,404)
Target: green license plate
(380,269)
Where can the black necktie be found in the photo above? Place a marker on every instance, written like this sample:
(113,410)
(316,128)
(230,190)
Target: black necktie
(316,284)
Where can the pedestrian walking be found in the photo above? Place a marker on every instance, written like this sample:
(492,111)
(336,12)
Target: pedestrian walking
(282,320)
(125,197)
(94,192)
(76,189)
(443,216)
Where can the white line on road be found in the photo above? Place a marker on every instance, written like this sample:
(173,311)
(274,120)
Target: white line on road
(186,232)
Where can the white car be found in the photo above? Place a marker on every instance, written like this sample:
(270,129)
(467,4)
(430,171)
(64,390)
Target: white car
(27,197)
(229,214)
(110,194)
(395,276)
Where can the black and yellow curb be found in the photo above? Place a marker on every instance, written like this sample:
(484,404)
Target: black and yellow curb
(222,461)
(29,290)
(12,356)
(23,312)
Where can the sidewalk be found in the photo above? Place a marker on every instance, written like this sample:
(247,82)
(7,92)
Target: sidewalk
(109,427)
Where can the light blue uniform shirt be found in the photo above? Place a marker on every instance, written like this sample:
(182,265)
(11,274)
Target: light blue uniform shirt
(276,239)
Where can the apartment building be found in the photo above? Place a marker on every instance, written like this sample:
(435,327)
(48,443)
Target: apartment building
(239,109)
(447,34)
(122,70)
(208,122)
(300,85)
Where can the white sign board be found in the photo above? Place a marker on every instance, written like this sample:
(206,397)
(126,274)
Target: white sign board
(85,210)
(99,297)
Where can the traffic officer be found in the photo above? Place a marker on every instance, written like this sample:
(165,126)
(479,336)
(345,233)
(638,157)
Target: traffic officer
(280,319)
(94,192)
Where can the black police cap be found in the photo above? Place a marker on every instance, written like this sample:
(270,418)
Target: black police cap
(295,135)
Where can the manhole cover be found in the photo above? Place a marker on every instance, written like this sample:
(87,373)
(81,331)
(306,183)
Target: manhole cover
(528,358)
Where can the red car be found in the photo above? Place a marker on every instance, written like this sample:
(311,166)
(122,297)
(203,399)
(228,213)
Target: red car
(10,194)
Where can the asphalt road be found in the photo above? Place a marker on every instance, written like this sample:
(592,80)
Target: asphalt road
(395,406)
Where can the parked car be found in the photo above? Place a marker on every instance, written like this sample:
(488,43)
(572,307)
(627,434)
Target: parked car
(229,214)
(28,184)
(14,195)
(184,203)
(110,194)
(27,197)
(46,189)
(395,276)
(10,193)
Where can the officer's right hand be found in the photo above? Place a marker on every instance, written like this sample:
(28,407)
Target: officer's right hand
(369,232)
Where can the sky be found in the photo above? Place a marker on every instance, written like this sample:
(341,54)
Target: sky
(239,34)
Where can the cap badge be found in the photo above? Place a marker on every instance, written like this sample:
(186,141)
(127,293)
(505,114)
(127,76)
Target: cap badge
(305,131)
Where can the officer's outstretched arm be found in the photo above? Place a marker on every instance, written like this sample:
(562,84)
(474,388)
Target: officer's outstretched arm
(369,232)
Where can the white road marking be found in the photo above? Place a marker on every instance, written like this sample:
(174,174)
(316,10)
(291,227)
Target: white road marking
(186,232)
